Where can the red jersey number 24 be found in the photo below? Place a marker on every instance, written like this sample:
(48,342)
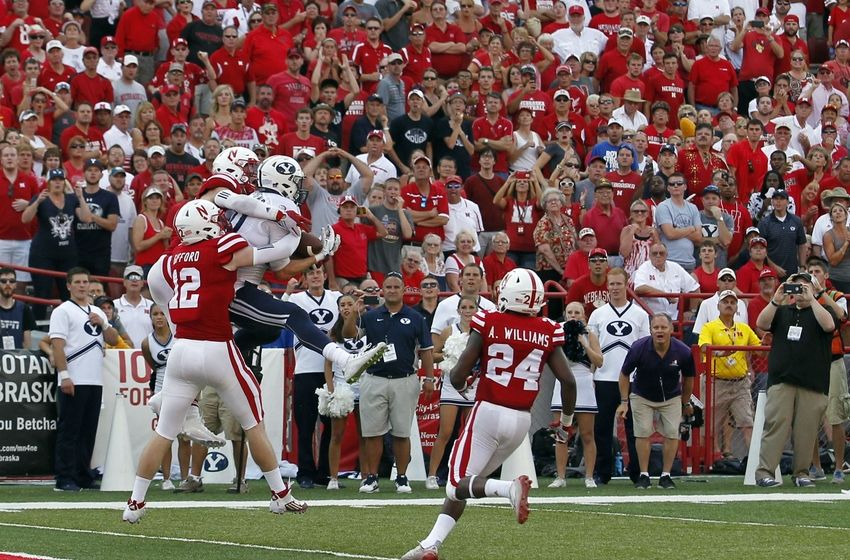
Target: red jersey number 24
(500,362)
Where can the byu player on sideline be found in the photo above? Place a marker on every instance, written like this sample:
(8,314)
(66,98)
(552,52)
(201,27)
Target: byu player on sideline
(617,324)
(513,345)
(202,274)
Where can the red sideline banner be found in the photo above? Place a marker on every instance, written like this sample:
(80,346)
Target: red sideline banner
(428,414)
(27,414)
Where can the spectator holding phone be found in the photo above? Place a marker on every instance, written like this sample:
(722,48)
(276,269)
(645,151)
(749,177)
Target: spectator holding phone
(354,237)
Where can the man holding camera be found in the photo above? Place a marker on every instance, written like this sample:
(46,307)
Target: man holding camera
(657,377)
(798,376)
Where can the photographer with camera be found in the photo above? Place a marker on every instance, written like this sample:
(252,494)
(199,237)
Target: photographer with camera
(657,377)
(798,376)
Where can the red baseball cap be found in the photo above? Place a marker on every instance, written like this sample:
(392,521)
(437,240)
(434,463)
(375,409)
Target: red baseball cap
(598,252)
(792,17)
(108,40)
(575,10)
(767,272)
(180,41)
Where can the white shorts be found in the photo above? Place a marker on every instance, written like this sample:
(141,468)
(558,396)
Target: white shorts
(16,252)
(585,392)
(450,395)
(491,434)
(194,364)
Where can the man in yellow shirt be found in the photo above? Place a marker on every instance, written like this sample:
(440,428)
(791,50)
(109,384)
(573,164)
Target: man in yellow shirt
(730,368)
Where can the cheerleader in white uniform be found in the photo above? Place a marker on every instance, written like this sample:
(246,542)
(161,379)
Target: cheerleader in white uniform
(584,355)
(447,348)
(155,349)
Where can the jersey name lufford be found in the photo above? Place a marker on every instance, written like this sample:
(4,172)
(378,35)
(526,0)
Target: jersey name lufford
(519,335)
(188,256)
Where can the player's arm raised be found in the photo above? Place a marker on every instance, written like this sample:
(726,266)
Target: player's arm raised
(281,249)
(243,204)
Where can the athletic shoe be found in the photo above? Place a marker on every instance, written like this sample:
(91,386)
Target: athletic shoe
(283,502)
(357,363)
(838,477)
(816,473)
(333,484)
(134,511)
(190,485)
(643,482)
(167,485)
(195,431)
(589,483)
(558,483)
(67,487)
(402,485)
(767,482)
(432,484)
(419,553)
(370,485)
(803,482)
(666,482)
(238,489)
(519,497)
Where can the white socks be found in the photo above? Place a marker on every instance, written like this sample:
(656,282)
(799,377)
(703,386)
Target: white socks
(442,528)
(501,488)
(140,488)
(336,354)
(275,481)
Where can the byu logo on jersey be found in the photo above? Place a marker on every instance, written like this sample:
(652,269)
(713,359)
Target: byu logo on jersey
(92,329)
(162,355)
(321,317)
(619,328)
(215,462)
(404,321)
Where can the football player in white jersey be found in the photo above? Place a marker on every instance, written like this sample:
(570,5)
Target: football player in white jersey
(617,324)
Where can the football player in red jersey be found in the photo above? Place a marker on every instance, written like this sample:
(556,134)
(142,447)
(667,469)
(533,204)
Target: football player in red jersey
(512,344)
(201,272)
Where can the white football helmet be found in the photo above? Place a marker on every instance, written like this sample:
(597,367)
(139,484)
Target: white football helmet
(282,174)
(239,163)
(521,291)
(199,220)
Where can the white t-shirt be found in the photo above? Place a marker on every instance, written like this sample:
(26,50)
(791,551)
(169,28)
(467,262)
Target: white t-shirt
(323,312)
(383,169)
(121,235)
(708,312)
(673,280)
(617,329)
(446,312)
(83,341)
(822,225)
(465,215)
(135,318)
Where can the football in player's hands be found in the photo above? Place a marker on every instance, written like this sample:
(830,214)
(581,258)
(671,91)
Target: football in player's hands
(308,240)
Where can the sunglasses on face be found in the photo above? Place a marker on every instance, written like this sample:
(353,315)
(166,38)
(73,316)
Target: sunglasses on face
(598,260)
(676,183)
(7,281)
(638,211)
(252,20)
(335,176)
(372,290)
(230,36)
(373,29)
(75,146)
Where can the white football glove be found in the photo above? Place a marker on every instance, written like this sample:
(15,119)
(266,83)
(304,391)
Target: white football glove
(330,243)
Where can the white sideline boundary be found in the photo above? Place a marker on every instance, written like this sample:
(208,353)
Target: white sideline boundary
(542,500)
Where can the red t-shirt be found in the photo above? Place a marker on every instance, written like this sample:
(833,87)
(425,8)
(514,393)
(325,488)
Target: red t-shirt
(743,158)
(577,266)
(839,20)
(590,295)
(656,139)
(49,77)
(233,70)
(92,89)
(94,137)
(436,198)
(784,64)
(350,260)
(708,282)
(494,270)
(269,126)
(625,83)
(607,228)
(609,25)
(266,52)
(754,309)
(347,41)
(483,128)
(447,64)
(291,144)
(415,62)
(204,287)
(513,343)
(612,65)
(670,91)
(759,59)
(539,102)
(367,58)
(747,277)
(290,94)
(24,187)
(625,187)
(711,78)
(137,31)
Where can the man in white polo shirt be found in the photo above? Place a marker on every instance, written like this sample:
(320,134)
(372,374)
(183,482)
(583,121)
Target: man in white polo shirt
(133,308)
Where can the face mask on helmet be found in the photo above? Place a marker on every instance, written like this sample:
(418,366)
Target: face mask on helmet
(200,220)
(240,164)
(283,175)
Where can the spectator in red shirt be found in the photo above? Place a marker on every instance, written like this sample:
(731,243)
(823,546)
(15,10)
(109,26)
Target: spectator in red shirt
(416,56)
(790,41)
(748,276)
(269,123)
(89,86)
(264,45)
(426,200)
(54,70)
(349,263)
(293,144)
(349,35)
(710,76)
(291,89)
(494,131)
(746,160)
(138,34)
(668,86)
(761,53)
(497,263)
(16,191)
(577,264)
(614,62)
(170,112)
(591,290)
(605,218)
(231,67)
(627,184)
(95,146)
(528,96)
(448,44)
(368,55)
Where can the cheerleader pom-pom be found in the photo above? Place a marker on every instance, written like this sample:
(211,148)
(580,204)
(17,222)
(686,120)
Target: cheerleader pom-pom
(452,349)
(338,404)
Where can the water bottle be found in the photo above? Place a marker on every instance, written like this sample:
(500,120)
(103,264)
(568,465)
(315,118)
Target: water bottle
(618,464)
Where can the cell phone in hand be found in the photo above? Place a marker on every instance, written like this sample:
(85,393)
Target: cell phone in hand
(793,289)
(361,210)
(370,300)
(757,24)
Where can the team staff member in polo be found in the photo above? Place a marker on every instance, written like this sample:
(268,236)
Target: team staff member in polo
(77,333)
(730,368)
(797,377)
(657,377)
(389,391)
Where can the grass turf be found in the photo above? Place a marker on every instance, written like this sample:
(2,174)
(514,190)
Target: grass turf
(753,530)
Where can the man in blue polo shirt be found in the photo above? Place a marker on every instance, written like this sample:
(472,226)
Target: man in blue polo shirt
(785,235)
(389,390)
(657,377)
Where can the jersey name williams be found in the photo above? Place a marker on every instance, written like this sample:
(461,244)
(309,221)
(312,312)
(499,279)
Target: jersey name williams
(520,335)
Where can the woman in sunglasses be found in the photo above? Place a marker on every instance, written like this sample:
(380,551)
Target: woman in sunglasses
(799,74)
(518,199)
(560,151)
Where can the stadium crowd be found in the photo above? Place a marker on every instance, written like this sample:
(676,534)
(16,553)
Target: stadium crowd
(692,146)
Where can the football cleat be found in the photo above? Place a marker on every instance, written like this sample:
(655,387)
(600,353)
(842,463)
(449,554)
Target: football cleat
(419,553)
(195,431)
(519,497)
(356,364)
(134,511)
(283,502)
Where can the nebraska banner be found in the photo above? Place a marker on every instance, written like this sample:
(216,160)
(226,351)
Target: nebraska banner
(27,414)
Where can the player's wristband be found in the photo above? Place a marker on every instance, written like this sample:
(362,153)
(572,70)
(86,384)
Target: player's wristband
(624,401)
(63,375)
(566,419)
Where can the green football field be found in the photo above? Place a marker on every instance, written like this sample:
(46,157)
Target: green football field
(705,517)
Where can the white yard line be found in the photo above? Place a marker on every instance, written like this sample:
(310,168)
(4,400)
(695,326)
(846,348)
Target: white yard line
(196,541)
